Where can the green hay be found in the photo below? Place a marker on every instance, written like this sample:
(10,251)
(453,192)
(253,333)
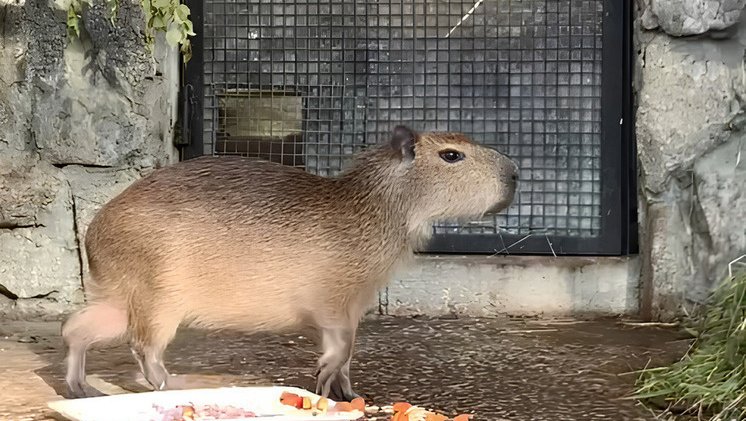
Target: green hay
(711,378)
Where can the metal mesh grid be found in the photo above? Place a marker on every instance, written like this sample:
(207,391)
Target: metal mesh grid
(309,83)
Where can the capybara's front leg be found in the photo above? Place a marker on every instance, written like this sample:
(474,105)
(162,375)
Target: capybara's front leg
(337,344)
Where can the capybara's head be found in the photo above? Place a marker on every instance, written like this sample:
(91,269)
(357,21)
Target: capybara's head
(446,175)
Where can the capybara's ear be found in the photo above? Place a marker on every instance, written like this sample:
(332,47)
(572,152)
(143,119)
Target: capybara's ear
(403,140)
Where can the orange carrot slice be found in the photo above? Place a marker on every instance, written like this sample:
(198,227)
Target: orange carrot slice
(462,417)
(400,416)
(402,406)
(358,404)
(343,406)
(291,399)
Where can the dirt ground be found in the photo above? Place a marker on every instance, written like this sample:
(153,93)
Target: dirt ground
(496,369)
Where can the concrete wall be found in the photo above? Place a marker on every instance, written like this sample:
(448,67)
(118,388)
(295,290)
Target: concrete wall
(691,95)
(488,286)
(79,121)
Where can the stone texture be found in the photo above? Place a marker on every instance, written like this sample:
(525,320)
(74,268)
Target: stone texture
(721,197)
(690,123)
(15,139)
(83,120)
(691,17)
(686,101)
(43,258)
(99,101)
(91,189)
(25,190)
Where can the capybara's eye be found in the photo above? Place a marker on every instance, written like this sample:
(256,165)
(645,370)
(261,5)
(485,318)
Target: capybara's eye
(451,156)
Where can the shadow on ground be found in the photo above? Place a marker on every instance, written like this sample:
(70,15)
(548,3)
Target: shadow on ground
(497,369)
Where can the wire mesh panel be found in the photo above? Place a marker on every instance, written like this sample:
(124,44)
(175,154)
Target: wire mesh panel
(309,83)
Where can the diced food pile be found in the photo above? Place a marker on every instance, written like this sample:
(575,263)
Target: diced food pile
(203,413)
(321,405)
(404,411)
(304,405)
(400,411)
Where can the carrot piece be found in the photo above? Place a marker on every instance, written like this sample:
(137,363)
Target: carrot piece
(343,406)
(462,417)
(435,417)
(400,416)
(291,399)
(402,407)
(358,404)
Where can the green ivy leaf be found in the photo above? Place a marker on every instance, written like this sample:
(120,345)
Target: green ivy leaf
(189,28)
(72,23)
(182,11)
(169,16)
(173,36)
(161,4)
(158,22)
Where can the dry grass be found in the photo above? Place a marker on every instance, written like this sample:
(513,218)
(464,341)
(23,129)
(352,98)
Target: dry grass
(710,380)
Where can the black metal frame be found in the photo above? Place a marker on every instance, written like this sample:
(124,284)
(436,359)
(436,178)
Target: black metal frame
(618,152)
(618,165)
(192,93)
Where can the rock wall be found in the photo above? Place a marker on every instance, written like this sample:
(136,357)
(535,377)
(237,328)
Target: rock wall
(79,121)
(691,95)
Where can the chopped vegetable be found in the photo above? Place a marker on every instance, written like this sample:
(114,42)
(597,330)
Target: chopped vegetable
(291,399)
(402,407)
(358,404)
(404,411)
(343,406)
(322,404)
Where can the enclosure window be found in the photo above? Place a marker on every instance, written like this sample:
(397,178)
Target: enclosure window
(260,124)
(311,83)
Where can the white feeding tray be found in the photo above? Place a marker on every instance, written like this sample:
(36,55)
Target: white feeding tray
(262,401)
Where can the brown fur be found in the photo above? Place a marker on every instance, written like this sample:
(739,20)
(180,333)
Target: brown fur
(222,242)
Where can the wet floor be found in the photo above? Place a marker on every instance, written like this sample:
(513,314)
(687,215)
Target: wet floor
(496,369)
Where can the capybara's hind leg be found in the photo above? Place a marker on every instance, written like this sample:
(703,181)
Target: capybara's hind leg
(149,342)
(97,323)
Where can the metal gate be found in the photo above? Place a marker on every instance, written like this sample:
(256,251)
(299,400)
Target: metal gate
(309,83)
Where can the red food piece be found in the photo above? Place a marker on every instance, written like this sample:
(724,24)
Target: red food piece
(358,404)
(291,399)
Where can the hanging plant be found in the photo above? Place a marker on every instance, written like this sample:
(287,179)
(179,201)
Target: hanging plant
(168,16)
(171,17)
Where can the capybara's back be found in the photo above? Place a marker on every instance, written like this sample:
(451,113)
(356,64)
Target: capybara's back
(233,243)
